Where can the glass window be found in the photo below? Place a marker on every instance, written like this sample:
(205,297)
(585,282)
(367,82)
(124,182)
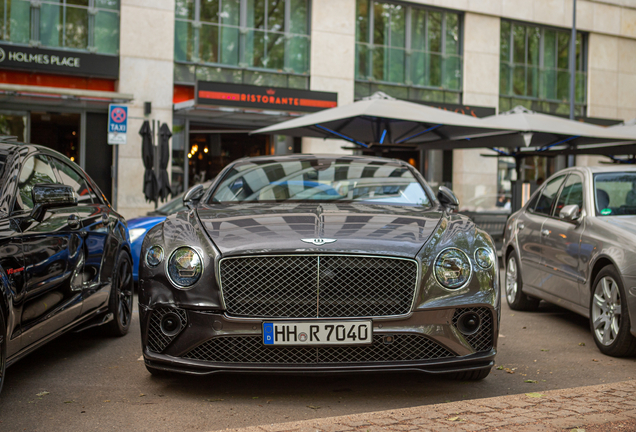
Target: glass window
(534,69)
(71,177)
(262,34)
(321,180)
(572,193)
(91,25)
(548,195)
(36,170)
(615,193)
(413,52)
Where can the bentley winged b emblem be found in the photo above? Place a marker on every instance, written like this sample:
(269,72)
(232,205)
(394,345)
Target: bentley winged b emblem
(318,241)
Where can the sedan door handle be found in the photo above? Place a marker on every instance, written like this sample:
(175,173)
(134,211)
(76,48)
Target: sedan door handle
(73,221)
(545,232)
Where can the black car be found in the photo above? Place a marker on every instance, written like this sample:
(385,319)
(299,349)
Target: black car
(305,263)
(64,259)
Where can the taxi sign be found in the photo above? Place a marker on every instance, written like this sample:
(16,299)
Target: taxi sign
(117,123)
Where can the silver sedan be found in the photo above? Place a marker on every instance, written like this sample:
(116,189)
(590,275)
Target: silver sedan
(574,244)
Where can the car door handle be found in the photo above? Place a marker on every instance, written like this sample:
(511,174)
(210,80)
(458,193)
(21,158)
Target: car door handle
(545,232)
(520,226)
(73,221)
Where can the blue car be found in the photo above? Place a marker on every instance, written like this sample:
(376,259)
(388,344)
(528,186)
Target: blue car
(138,227)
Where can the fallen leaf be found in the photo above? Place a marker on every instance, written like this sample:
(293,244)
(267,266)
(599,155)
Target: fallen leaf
(500,335)
(530,381)
(44,393)
(534,395)
(71,401)
(499,367)
(524,327)
(594,360)
(254,397)
(141,395)
(581,343)
(577,430)
(313,407)
(545,350)
(107,400)
(454,419)
(141,358)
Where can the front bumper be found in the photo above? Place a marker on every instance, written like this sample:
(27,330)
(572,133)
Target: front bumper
(426,341)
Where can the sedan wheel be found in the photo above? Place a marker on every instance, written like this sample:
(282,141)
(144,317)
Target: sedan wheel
(517,300)
(121,295)
(608,319)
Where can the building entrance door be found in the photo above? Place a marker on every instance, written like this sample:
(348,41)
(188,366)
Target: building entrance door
(59,131)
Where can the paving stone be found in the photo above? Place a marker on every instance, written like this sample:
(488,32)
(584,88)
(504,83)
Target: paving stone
(384,421)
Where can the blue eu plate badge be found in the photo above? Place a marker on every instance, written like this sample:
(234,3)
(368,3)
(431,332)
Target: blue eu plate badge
(268,333)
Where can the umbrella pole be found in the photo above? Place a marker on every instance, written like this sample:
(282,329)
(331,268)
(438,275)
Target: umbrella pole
(156,162)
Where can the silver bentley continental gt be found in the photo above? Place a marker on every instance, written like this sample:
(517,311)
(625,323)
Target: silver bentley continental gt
(306,263)
(574,244)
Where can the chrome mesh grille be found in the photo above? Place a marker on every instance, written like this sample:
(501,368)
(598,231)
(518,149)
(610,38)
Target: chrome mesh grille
(157,341)
(250,349)
(483,340)
(308,286)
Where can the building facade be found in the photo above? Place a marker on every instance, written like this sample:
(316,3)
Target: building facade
(213,70)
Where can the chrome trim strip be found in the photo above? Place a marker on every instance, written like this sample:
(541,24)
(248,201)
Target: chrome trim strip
(418,278)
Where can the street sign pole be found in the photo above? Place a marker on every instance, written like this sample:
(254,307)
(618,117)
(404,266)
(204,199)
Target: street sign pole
(117,135)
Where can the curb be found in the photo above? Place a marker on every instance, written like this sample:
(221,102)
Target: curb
(554,410)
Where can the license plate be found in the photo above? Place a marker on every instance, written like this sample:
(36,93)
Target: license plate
(318,333)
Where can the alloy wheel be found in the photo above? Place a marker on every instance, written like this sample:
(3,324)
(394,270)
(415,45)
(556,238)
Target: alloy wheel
(511,279)
(606,311)
(125,292)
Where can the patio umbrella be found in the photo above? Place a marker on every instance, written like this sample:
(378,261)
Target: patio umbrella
(381,119)
(164,157)
(148,157)
(539,132)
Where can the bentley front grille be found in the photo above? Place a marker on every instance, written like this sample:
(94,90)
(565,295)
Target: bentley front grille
(325,286)
(483,339)
(250,349)
(157,339)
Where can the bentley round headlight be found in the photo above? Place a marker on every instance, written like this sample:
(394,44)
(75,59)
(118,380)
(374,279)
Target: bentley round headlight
(484,258)
(185,267)
(452,268)
(154,256)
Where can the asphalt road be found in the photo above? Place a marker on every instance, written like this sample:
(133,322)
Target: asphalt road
(98,383)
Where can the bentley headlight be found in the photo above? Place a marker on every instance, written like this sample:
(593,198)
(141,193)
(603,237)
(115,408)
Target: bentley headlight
(452,268)
(484,258)
(154,256)
(185,267)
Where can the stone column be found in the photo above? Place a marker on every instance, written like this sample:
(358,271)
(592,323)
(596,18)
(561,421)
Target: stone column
(333,32)
(474,175)
(146,63)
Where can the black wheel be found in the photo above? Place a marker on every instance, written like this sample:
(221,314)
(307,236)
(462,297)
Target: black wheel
(473,375)
(3,348)
(609,318)
(121,296)
(517,300)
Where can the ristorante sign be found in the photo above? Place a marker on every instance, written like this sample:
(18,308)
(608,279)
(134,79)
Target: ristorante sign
(276,98)
(58,61)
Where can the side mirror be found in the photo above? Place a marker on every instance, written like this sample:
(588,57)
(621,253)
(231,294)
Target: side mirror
(447,198)
(569,213)
(193,195)
(46,196)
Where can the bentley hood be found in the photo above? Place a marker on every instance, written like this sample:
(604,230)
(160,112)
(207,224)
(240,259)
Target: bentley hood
(293,227)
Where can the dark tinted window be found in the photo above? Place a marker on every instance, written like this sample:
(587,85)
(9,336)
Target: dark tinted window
(71,177)
(36,170)
(572,193)
(548,195)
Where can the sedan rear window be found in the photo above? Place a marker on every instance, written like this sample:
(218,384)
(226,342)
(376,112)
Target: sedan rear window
(615,193)
(321,180)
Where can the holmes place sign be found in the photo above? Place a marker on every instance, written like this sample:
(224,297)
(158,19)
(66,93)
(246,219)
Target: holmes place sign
(272,98)
(58,61)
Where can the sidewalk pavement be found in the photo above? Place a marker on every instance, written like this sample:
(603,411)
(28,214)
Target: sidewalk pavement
(602,407)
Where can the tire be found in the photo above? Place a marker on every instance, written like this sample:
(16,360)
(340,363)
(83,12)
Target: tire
(609,318)
(121,296)
(517,300)
(3,349)
(473,375)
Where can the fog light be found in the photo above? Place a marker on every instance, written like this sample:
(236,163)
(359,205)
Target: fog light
(469,323)
(170,324)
